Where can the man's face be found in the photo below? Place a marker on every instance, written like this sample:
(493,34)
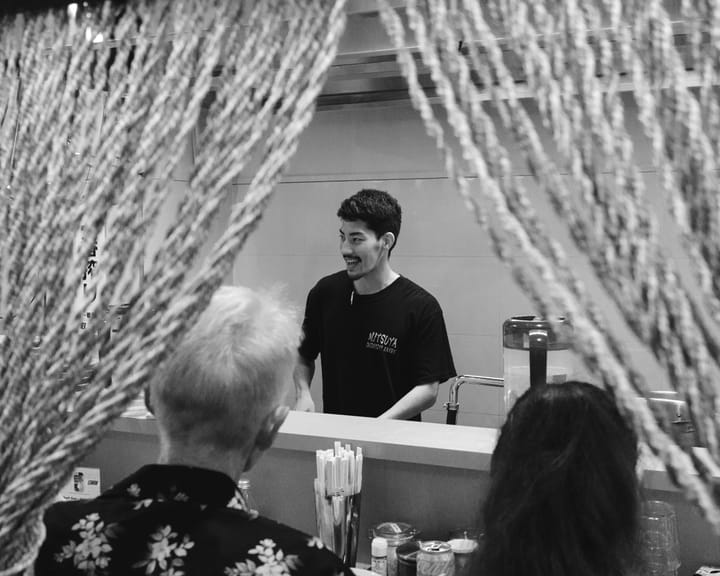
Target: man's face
(361,249)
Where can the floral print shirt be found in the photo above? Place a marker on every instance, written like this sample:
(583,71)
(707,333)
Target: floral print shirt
(168,520)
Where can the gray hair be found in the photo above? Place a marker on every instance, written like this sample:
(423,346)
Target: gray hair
(227,374)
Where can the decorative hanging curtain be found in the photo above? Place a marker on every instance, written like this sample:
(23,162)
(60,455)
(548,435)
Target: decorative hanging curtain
(574,57)
(97,104)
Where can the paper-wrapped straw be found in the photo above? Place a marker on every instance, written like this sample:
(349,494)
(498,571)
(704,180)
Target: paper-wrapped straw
(339,470)
(337,498)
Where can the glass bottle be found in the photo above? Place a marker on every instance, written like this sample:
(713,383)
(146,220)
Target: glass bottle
(244,497)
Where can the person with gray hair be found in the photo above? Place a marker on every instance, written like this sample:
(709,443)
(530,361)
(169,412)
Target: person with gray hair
(219,405)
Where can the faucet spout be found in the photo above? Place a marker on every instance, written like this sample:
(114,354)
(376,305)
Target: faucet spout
(453,405)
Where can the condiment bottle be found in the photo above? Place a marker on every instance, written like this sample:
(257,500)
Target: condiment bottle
(244,496)
(396,533)
(378,552)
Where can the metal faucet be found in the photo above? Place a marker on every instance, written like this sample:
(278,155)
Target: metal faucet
(453,405)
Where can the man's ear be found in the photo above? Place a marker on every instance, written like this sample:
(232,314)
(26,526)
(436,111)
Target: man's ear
(388,240)
(270,426)
(266,434)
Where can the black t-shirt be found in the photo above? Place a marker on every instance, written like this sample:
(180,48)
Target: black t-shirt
(374,348)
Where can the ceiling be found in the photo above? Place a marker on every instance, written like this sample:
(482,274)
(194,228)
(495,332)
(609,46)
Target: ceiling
(365,70)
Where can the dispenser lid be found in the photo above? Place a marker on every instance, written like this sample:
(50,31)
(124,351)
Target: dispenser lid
(378,547)
(518,330)
(394,532)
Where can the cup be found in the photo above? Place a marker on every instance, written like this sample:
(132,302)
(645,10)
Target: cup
(465,543)
(338,521)
(660,538)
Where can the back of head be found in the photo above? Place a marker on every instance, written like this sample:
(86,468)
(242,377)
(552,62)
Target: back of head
(229,372)
(564,495)
(378,209)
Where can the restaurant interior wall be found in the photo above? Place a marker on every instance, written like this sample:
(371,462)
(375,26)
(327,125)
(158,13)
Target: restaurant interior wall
(440,246)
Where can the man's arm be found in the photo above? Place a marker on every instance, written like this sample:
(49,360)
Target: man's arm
(303,374)
(420,398)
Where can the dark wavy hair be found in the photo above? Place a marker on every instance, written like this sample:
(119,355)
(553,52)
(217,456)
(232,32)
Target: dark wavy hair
(564,498)
(380,212)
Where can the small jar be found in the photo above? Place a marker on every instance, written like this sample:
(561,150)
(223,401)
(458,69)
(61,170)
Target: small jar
(395,533)
(407,558)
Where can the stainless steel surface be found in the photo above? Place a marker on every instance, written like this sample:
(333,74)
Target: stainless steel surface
(492,381)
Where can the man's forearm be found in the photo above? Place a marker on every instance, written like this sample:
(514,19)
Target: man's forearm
(418,399)
(302,376)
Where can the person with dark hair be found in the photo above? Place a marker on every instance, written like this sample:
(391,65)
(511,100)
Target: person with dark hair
(381,338)
(564,498)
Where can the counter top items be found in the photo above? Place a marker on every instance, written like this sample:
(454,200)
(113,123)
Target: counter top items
(435,558)
(464,543)
(407,558)
(337,490)
(245,497)
(378,555)
(396,534)
(660,538)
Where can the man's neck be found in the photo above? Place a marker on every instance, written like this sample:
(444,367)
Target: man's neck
(377,280)
(230,463)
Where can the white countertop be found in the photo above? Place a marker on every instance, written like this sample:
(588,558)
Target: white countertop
(398,440)
(426,443)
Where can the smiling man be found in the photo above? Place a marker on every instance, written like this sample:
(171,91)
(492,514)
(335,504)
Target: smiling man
(381,338)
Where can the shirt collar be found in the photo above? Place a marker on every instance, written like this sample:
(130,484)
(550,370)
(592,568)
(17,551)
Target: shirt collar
(165,482)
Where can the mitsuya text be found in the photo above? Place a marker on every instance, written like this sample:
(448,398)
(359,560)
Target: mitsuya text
(382,342)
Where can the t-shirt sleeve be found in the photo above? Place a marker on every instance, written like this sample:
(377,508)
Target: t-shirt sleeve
(432,357)
(310,343)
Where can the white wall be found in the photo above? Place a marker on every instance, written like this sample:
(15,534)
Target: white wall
(440,246)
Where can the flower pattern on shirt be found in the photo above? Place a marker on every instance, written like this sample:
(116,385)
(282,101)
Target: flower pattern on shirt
(166,554)
(271,562)
(156,522)
(315,542)
(144,503)
(92,554)
(237,502)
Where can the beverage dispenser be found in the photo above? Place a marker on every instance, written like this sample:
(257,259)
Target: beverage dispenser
(536,351)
